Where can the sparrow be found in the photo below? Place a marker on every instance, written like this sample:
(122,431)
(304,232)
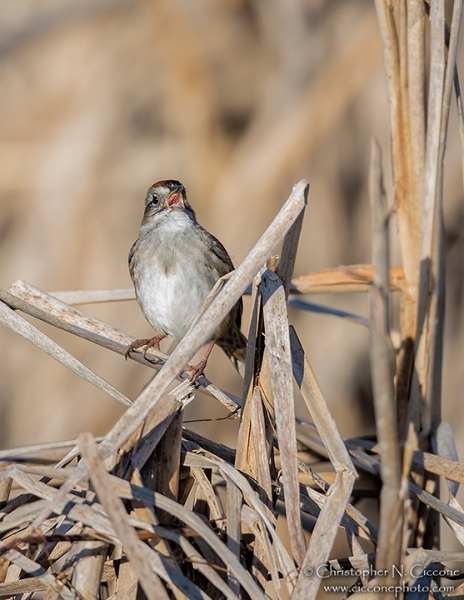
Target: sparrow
(174,264)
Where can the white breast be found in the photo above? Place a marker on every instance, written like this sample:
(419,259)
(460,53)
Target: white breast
(171,302)
(171,291)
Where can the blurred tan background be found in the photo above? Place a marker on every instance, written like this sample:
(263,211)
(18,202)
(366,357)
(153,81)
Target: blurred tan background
(237,99)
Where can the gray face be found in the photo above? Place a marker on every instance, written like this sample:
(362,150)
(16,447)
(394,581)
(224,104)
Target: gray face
(169,195)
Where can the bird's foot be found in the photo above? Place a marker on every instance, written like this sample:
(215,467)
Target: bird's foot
(196,371)
(144,343)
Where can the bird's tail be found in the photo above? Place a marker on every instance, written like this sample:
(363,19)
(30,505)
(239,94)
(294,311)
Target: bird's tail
(235,349)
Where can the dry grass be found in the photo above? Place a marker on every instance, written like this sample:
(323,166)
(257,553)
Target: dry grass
(155,508)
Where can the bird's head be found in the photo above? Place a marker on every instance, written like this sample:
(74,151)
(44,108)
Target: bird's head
(166,196)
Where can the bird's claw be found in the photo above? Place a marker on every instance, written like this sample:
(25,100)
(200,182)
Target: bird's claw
(144,343)
(196,371)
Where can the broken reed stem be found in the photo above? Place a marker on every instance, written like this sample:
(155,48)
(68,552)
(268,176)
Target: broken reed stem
(40,305)
(406,200)
(271,382)
(389,549)
(331,514)
(281,385)
(406,107)
(341,279)
(164,467)
(134,548)
(428,338)
(90,556)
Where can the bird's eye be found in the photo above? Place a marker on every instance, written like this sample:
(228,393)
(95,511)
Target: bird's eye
(155,200)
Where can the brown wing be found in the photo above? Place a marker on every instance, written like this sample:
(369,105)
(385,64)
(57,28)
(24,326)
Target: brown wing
(131,258)
(223,261)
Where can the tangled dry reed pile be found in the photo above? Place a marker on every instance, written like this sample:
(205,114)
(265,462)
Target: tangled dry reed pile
(156,507)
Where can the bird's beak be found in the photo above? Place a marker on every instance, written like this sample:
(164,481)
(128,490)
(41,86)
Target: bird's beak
(175,198)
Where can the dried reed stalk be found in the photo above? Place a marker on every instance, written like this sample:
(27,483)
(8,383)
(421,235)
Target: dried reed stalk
(418,133)
(389,549)
(335,504)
